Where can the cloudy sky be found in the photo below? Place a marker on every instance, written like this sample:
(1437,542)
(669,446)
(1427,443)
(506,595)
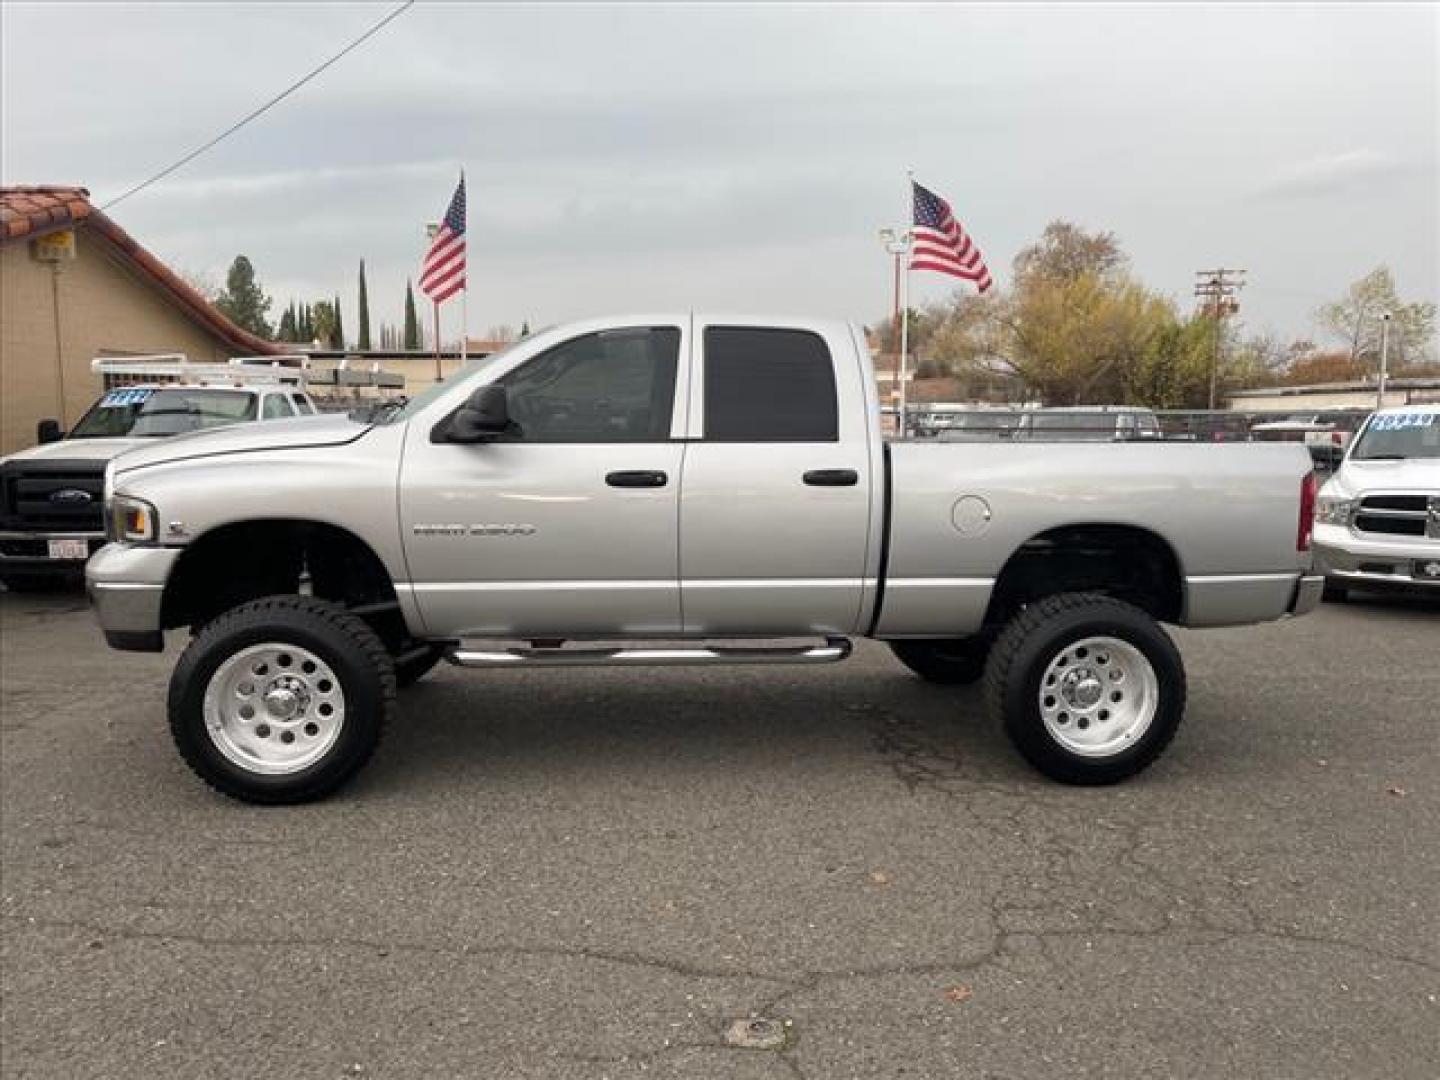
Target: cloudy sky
(743,157)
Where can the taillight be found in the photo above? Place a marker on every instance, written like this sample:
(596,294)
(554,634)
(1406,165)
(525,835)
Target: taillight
(1309,488)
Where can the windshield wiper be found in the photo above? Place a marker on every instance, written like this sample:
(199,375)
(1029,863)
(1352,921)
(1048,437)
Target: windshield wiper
(1380,457)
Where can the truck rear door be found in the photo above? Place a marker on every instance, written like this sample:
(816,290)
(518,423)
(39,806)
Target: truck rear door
(777,486)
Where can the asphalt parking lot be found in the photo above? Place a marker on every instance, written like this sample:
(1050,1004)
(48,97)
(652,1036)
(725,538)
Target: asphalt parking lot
(592,873)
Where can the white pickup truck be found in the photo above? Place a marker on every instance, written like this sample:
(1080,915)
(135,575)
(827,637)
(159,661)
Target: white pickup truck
(678,490)
(51,510)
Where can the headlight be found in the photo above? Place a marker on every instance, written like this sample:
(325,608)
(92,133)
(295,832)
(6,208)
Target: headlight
(1331,511)
(132,520)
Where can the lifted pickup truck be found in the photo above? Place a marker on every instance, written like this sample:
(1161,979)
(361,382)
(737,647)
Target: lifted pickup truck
(685,490)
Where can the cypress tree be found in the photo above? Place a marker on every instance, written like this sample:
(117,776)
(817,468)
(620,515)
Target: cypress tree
(286,332)
(412,324)
(363,343)
(339,325)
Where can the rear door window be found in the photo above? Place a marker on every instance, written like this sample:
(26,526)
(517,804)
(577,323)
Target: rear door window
(769,385)
(277,407)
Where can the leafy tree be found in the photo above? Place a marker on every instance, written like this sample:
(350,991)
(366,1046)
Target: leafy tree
(244,302)
(364,312)
(327,325)
(1356,319)
(339,337)
(1066,252)
(1324,367)
(525,329)
(412,324)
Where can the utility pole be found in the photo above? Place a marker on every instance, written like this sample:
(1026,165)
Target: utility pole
(1384,358)
(1216,290)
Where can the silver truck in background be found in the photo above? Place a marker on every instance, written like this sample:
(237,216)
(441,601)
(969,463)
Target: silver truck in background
(678,490)
(1378,520)
(51,497)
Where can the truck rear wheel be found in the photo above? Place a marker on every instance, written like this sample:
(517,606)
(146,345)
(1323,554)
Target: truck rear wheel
(1089,689)
(281,700)
(949,661)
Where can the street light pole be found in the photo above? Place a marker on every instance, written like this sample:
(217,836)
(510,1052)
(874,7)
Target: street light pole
(1384,358)
(897,243)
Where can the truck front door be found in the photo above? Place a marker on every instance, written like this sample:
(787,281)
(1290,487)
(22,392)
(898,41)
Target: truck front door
(776,502)
(567,525)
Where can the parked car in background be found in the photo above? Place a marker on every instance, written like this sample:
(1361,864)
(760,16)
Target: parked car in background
(51,495)
(687,490)
(1377,523)
(977,424)
(1322,436)
(1100,423)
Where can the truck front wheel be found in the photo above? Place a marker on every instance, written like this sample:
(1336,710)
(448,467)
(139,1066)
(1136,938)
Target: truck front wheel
(1089,689)
(951,661)
(281,700)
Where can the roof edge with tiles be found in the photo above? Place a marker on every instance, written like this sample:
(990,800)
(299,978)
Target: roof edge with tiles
(31,211)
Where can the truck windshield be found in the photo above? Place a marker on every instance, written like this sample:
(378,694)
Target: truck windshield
(1400,435)
(172,412)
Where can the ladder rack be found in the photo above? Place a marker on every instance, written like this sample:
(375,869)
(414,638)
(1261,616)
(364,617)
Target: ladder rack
(242,370)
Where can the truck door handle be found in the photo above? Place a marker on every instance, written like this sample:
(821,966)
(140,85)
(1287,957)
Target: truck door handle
(643,478)
(832,478)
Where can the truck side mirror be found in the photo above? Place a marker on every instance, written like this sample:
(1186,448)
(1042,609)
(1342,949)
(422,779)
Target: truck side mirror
(483,416)
(48,431)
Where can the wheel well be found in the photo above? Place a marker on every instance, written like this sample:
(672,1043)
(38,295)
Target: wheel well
(245,561)
(1126,562)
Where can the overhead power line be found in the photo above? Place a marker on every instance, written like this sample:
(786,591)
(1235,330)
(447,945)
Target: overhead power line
(296,85)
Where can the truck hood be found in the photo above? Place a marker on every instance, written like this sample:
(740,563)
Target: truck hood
(77,450)
(1411,474)
(330,429)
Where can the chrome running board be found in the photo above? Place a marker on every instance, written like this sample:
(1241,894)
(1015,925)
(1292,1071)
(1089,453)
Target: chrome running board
(834,649)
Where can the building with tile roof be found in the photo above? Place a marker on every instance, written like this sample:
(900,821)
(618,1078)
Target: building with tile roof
(74,285)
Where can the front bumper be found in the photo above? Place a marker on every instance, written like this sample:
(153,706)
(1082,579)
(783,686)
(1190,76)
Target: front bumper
(127,591)
(27,553)
(1365,561)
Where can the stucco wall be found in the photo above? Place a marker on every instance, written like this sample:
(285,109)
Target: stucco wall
(105,307)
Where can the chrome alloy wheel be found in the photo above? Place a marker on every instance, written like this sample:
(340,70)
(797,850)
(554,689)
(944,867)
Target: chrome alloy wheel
(1098,696)
(274,709)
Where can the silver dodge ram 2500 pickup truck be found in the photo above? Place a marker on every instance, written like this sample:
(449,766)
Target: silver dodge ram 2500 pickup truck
(683,489)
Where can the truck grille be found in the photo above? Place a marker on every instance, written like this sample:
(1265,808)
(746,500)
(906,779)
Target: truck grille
(1399,515)
(53,497)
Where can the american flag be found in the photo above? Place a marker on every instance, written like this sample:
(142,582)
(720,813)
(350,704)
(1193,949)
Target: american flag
(442,274)
(941,244)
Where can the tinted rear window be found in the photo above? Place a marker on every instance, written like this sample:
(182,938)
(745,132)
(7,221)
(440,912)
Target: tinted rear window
(768,386)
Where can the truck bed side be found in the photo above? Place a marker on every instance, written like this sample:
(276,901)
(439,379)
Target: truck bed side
(959,513)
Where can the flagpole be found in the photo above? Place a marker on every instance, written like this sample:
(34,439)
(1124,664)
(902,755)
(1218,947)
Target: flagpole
(439,377)
(465,289)
(905,296)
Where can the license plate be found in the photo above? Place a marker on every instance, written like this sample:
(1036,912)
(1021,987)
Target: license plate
(1426,569)
(69,549)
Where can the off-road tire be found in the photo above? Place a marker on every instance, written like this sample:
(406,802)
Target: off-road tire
(351,649)
(1025,649)
(411,669)
(947,661)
